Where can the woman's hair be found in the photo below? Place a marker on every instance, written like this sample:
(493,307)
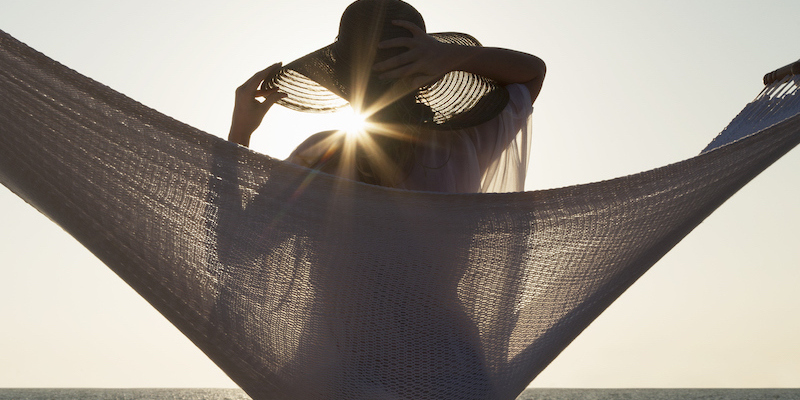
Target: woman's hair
(392,157)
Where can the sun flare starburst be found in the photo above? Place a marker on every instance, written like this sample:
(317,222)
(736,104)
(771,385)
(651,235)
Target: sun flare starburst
(351,122)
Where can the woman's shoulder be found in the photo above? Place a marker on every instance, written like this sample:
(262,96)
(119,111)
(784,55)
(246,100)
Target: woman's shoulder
(309,152)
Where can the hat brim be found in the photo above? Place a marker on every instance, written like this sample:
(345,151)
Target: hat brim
(458,100)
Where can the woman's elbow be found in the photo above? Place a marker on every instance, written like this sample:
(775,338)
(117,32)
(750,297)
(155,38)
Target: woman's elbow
(535,85)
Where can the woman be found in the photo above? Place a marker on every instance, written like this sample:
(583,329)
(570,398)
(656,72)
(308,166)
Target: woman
(443,113)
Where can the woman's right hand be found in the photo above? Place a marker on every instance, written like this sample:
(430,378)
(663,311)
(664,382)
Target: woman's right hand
(248,111)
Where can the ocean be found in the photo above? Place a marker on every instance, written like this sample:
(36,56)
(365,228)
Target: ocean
(530,394)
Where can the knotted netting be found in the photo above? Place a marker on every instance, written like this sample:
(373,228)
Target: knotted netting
(304,286)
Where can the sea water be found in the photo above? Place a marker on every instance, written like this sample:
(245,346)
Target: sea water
(530,394)
(660,394)
(123,394)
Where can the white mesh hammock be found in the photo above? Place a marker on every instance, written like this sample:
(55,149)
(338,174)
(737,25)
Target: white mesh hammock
(303,286)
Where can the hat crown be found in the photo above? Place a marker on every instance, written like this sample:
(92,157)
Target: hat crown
(376,16)
(365,23)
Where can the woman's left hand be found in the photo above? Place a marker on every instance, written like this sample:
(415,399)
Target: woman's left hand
(248,111)
(426,60)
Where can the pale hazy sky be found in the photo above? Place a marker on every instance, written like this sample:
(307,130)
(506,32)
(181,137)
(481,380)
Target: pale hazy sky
(632,85)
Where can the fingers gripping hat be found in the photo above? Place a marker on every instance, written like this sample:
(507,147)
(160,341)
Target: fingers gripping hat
(339,74)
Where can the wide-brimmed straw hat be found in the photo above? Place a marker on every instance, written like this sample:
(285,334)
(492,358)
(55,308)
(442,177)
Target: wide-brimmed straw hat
(340,74)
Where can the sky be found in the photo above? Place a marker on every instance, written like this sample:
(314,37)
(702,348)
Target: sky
(631,86)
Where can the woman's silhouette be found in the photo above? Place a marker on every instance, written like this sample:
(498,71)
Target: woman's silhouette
(443,113)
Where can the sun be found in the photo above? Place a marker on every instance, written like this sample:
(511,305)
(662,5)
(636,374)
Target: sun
(351,122)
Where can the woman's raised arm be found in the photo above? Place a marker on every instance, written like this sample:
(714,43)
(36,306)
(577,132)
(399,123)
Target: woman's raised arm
(248,112)
(427,60)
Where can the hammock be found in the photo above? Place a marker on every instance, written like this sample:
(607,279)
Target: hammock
(305,286)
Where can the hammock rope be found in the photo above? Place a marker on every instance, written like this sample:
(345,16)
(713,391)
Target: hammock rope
(304,286)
